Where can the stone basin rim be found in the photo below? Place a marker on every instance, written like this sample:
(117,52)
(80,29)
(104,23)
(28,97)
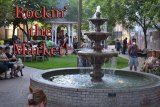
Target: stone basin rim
(38,78)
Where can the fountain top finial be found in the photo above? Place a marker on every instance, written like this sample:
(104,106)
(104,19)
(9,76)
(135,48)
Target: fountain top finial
(98,9)
(98,12)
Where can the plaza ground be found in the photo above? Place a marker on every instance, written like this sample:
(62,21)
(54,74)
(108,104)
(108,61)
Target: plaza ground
(14,91)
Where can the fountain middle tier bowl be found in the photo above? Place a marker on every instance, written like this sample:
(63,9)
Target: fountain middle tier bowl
(97,36)
(98,21)
(72,87)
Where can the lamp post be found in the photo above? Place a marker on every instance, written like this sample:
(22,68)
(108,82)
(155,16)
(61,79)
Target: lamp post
(79,22)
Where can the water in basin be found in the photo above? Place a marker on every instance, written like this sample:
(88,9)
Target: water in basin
(109,81)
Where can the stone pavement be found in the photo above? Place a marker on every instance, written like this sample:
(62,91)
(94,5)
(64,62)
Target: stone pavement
(14,92)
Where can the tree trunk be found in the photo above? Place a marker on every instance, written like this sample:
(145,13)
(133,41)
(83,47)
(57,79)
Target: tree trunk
(22,29)
(14,28)
(158,28)
(145,37)
(28,36)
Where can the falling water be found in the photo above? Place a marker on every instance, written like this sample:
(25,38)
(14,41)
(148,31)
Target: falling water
(111,65)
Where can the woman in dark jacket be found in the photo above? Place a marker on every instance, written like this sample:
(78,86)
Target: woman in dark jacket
(118,46)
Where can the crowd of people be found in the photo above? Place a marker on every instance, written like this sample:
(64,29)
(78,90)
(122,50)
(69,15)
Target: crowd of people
(9,60)
(122,47)
(132,49)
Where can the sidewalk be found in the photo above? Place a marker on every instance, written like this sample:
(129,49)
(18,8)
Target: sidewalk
(14,92)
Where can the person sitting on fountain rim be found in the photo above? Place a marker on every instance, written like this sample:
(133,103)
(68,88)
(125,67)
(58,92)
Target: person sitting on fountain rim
(6,61)
(150,62)
(133,57)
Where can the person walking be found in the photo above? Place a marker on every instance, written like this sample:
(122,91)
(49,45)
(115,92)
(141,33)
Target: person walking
(124,46)
(118,46)
(133,57)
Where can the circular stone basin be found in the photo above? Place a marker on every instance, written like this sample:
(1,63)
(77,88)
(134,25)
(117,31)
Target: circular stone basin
(73,87)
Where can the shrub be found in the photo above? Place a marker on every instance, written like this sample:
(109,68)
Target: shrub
(7,41)
(111,42)
(38,37)
(1,42)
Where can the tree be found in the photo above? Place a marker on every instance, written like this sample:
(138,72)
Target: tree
(5,11)
(136,12)
(28,5)
(155,12)
(110,9)
(72,10)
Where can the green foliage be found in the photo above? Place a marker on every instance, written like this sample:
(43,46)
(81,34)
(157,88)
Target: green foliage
(7,40)
(5,11)
(111,42)
(68,61)
(137,12)
(1,42)
(109,10)
(155,13)
(55,62)
(72,11)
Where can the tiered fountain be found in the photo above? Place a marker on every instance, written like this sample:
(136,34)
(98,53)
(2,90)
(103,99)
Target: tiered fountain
(97,56)
(70,87)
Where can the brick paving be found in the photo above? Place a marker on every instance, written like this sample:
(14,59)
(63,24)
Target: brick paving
(14,92)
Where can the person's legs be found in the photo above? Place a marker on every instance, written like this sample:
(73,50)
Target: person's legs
(10,65)
(123,50)
(3,69)
(135,68)
(131,63)
(118,50)
(66,51)
(135,61)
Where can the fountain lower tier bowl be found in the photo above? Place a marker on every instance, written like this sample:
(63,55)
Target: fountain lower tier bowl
(90,53)
(70,87)
(97,36)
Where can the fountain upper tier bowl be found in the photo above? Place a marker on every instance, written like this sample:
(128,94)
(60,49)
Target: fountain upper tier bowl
(97,36)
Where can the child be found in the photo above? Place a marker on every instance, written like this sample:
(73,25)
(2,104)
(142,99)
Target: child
(36,98)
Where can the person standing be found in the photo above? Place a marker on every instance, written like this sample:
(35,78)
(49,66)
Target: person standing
(6,62)
(49,44)
(65,44)
(124,46)
(133,57)
(118,46)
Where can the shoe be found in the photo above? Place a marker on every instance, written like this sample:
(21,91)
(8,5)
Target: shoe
(1,78)
(11,75)
(16,75)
